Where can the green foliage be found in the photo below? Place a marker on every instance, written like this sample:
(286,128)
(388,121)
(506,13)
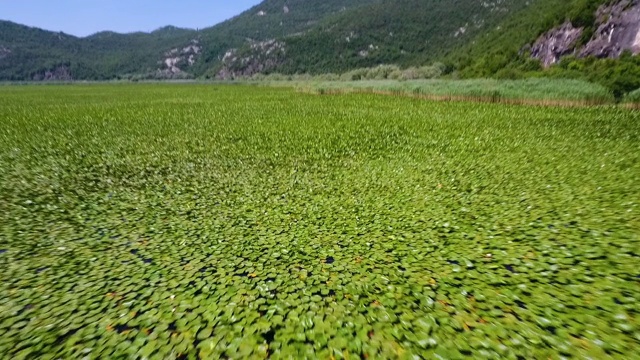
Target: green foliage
(500,52)
(358,39)
(505,46)
(274,23)
(394,72)
(186,221)
(583,12)
(536,90)
(102,56)
(402,32)
(633,97)
(109,55)
(619,75)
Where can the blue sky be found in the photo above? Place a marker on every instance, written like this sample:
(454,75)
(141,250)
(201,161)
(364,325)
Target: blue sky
(85,17)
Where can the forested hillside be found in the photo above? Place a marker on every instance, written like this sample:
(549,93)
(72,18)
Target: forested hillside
(598,52)
(28,53)
(403,32)
(271,19)
(34,54)
(505,46)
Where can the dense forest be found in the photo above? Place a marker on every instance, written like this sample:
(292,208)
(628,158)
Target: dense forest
(402,32)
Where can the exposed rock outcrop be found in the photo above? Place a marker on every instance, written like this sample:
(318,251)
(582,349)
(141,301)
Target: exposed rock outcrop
(618,29)
(550,47)
(60,73)
(257,57)
(175,60)
(4,52)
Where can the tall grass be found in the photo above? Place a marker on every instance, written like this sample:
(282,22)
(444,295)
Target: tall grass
(549,91)
(380,72)
(632,99)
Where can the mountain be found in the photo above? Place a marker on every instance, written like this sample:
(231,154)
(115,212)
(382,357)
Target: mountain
(595,40)
(403,32)
(474,38)
(33,54)
(356,34)
(268,22)
(515,36)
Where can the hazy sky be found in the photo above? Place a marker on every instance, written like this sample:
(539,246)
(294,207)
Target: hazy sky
(85,17)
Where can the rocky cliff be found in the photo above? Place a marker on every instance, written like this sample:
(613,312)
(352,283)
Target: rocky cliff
(561,41)
(617,29)
(256,57)
(59,73)
(177,60)
(4,52)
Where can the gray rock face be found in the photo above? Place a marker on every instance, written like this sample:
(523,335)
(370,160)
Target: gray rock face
(256,57)
(60,73)
(175,60)
(4,52)
(618,29)
(550,47)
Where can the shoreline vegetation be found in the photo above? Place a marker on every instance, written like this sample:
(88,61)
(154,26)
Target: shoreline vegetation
(525,92)
(530,91)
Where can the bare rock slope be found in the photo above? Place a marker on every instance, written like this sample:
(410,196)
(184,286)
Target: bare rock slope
(550,47)
(617,30)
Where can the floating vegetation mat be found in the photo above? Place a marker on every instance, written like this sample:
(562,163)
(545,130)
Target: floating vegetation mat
(194,221)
